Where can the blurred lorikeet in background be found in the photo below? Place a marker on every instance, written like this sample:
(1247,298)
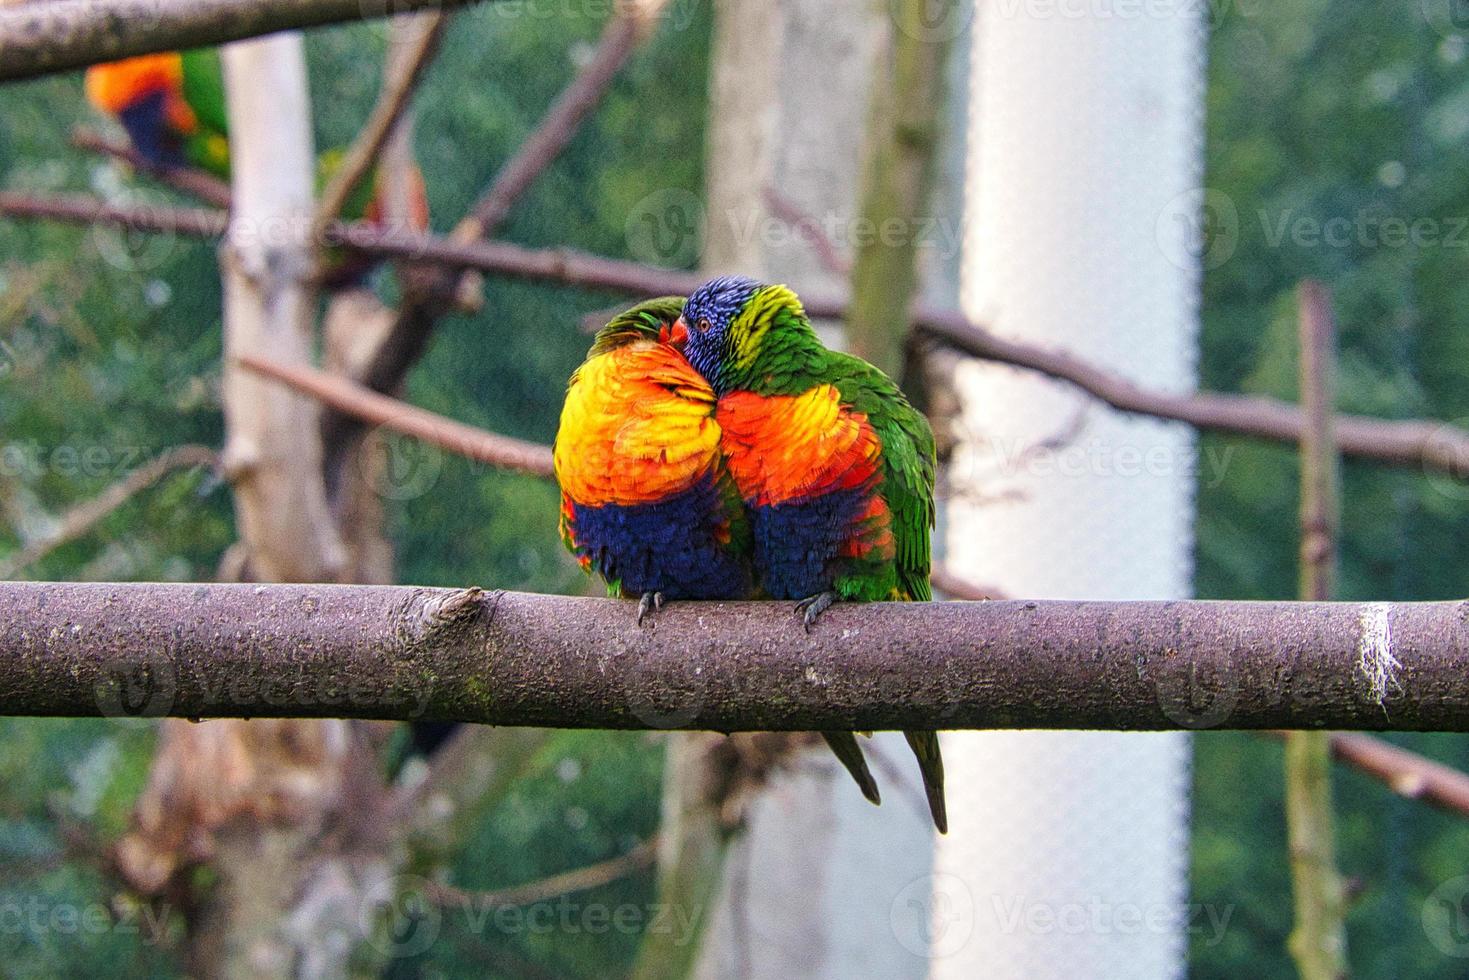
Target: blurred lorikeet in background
(835,467)
(172,106)
(647,501)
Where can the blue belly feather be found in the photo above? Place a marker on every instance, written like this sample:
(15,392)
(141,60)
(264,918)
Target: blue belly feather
(666,547)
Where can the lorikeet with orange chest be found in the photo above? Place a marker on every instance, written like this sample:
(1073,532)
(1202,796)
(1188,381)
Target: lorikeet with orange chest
(835,467)
(647,500)
(172,106)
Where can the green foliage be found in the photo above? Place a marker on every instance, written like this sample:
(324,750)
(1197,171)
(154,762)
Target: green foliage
(1318,112)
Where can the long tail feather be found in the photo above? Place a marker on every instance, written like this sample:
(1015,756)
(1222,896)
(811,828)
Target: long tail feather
(925,746)
(844,744)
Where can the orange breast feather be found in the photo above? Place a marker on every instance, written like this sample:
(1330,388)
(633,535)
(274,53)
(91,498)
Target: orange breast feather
(792,447)
(114,86)
(637,427)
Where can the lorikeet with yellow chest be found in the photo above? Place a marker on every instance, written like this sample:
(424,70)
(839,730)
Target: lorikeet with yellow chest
(646,501)
(835,467)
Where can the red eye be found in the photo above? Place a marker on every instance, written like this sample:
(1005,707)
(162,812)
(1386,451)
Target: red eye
(703,324)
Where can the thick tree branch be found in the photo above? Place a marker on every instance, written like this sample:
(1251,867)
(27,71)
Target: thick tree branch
(1436,446)
(506,658)
(43,38)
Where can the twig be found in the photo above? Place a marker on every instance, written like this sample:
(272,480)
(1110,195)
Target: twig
(568,882)
(1406,773)
(44,38)
(1319,941)
(957,587)
(392,101)
(432,295)
(196,183)
(1429,444)
(363,403)
(826,250)
(83,517)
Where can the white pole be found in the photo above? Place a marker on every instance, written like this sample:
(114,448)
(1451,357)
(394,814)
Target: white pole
(1069,850)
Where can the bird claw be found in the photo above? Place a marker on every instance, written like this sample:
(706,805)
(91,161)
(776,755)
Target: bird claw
(811,608)
(649,602)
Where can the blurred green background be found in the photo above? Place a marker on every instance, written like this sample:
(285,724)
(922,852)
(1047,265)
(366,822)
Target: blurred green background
(1316,110)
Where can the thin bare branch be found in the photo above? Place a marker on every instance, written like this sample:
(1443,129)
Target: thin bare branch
(640,858)
(196,183)
(44,38)
(392,101)
(1318,941)
(361,402)
(430,296)
(84,516)
(1439,447)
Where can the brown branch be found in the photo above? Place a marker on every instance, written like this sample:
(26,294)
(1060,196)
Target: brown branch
(363,403)
(196,183)
(1436,446)
(826,250)
(430,296)
(592,876)
(1318,942)
(83,517)
(206,651)
(392,101)
(44,38)
(1406,773)
(958,587)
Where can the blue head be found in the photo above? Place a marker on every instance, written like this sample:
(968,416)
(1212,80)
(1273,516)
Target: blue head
(708,320)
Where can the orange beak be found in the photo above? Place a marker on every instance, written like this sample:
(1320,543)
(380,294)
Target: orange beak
(677,335)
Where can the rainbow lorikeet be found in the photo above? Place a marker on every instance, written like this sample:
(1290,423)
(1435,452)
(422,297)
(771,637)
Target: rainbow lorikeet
(647,501)
(835,467)
(172,106)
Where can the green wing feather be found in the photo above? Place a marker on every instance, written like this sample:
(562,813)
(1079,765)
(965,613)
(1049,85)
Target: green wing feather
(203,89)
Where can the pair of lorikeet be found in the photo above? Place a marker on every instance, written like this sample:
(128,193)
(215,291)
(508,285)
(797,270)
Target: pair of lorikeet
(714,448)
(172,106)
